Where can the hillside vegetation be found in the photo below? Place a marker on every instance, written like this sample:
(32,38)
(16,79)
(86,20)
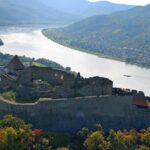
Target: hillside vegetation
(5,59)
(124,35)
(16,134)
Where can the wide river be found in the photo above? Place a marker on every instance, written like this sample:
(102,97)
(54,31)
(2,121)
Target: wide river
(34,44)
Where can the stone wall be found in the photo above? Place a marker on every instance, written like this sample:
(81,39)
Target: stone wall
(58,84)
(114,112)
(6,83)
(95,86)
(52,76)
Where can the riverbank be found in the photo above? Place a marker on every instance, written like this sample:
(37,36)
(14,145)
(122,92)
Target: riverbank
(99,54)
(35,44)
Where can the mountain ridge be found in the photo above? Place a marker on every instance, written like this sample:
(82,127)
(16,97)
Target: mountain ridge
(32,12)
(123,35)
(87,9)
(45,11)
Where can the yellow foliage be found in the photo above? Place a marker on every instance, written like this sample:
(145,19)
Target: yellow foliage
(62,148)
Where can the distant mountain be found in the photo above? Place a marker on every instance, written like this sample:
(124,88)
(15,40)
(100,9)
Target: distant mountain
(53,11)
(85,8)
(124,35)
(32,11)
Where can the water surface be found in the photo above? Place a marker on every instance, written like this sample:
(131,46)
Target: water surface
(33,44)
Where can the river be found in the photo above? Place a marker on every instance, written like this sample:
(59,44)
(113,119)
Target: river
(33,44)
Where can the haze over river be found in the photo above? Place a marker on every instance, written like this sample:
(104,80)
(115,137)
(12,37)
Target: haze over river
(33,44)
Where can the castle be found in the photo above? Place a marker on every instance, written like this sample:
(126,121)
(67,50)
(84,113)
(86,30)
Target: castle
(69,102)
(32,82)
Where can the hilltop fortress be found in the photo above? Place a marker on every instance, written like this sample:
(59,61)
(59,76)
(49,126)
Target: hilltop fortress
(32,82)
(69,102)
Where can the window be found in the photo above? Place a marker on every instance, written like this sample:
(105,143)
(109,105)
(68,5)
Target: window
(62,77)
(56,74)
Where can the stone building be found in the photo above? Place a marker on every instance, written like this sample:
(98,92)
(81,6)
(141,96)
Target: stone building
(32,83)
(50,75)
(10,73)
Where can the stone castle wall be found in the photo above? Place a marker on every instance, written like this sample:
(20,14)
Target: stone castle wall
(116,112)
(52,76)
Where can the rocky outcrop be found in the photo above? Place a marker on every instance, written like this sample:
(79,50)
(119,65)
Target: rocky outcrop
(1,42)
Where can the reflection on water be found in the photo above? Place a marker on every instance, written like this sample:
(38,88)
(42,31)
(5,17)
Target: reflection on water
(34,44)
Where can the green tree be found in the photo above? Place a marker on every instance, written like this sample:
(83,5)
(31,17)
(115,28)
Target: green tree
(14,122)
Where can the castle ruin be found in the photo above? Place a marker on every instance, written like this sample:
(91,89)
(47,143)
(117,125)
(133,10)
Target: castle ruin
(32,82)
(69,102)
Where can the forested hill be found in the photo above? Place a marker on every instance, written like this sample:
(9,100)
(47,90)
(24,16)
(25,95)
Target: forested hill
(52,11)
(124,35)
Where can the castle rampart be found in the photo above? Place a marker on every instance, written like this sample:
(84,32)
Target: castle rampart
(113,112)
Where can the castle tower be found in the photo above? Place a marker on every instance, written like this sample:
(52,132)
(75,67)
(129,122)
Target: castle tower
(14,65)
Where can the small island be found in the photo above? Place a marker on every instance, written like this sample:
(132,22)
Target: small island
(1,42)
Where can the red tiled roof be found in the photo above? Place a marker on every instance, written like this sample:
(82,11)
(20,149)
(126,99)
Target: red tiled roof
(141,101)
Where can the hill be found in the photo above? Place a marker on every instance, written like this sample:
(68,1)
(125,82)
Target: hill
(85,8)
(5,59)
(124,35)
(32,11)
(52,11)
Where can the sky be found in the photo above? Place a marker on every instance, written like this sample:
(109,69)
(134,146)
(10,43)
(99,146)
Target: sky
(133,2)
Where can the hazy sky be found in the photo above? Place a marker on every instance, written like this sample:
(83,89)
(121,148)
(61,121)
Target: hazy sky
(133,2)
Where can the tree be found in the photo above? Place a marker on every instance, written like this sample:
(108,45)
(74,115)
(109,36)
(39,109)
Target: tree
(15,134)
(145,137)
(142,147)
(123,140)
(96,141)
(14,122)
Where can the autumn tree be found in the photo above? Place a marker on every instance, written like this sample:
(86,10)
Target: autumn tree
(96,141)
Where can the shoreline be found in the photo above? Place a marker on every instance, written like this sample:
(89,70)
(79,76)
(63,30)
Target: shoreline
(98,54)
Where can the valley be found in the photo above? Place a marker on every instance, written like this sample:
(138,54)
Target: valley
(31,43)
(74,75)
(122,35)
(53,12)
